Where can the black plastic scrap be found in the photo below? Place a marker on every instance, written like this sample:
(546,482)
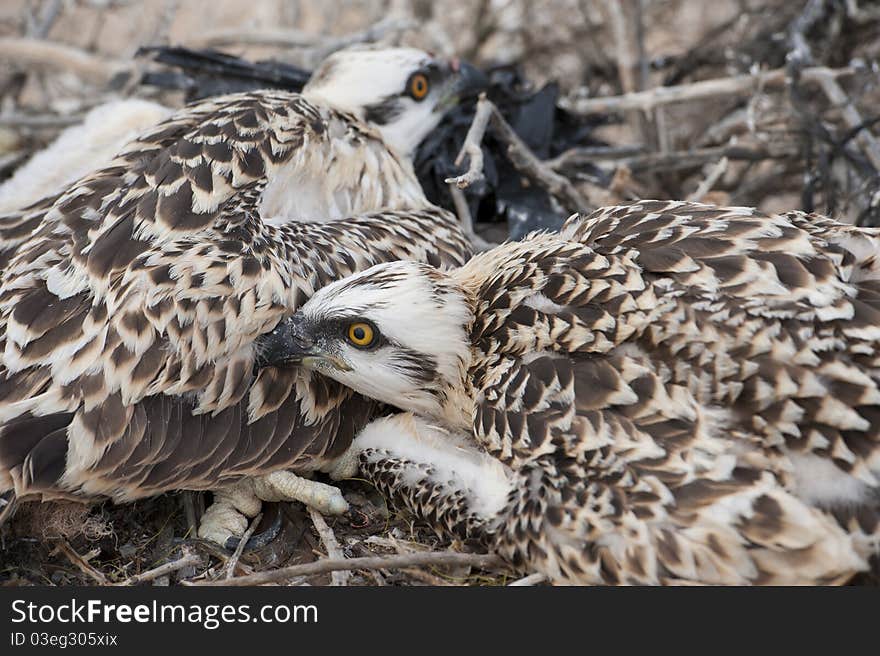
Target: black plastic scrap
(503,194)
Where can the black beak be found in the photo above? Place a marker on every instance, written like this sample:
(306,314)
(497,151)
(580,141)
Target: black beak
(471,81)
(467,81)
(291,343)
(287,344)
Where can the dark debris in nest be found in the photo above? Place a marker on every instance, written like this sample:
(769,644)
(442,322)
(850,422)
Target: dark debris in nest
(119,542)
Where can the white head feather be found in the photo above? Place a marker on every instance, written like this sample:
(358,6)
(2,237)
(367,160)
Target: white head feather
(374,84)
(420,346)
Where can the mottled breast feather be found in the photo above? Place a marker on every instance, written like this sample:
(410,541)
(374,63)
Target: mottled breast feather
(130,304)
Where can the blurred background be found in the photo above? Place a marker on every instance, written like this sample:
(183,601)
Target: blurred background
(790,124)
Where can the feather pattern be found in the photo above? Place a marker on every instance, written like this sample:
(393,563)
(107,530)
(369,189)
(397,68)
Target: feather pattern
(679,393)
(130,303)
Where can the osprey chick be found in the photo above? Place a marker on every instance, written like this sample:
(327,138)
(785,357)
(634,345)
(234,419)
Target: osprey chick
(131,302)
(664,392)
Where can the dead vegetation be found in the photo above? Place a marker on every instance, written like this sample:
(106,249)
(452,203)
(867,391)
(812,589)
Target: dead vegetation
(768,103)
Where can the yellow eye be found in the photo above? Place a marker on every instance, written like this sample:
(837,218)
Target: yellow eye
(360,334)
(418,86)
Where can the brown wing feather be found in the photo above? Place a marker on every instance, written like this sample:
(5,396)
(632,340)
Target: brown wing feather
(652,377)
(131,303)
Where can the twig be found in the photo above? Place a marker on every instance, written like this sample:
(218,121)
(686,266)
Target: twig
(40,28)
(684,159)
(239,549)
(626,57)
(531,579)
(466,220)
(8,506)
(38,53)
(472,146)
(334,551)
(706,185)
(527,163)
(520,155)
(800,48)
(48,121)
(299,39)
(705,89)
(483,561)
(189,509)
(81,563)
(866,140)
(184,561)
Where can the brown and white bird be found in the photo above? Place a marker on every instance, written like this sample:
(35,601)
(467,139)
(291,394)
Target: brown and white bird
(664,392)
(131,302)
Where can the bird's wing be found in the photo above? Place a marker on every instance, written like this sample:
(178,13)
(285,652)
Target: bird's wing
(129,310)
(622,478)
(661,368)
(776,316)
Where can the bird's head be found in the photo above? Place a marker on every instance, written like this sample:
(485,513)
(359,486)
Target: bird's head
(404,92)
(397,332)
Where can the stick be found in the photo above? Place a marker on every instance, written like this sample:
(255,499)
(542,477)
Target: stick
(684,159)
(520,155)
(866,140)
(81,563)
(299,39)
(626,57)
(331,544)
(184,561)
(525,161)
(531,579)
(39,121)
(397,561)
(705,89)
(706,185)
(472,148)
(231,563)
(25,52)
(189,509)
(467,221)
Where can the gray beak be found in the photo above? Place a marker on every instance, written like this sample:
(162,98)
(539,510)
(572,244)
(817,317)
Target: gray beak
(291,343)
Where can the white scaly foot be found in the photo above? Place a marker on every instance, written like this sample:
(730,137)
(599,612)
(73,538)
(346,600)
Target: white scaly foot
(285,486)
(228,516)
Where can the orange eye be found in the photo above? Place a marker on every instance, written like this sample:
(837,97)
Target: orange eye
(418,86)
(360,334)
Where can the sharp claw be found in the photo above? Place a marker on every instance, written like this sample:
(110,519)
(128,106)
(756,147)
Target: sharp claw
(337,505)
(261,539)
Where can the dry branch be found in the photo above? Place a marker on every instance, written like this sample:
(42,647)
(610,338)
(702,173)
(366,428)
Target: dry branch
(239,549)
(397,561)
(37,53)
(531,579)
(472,146)
(703,90)
(151,574)
(39,121)
(837,96)
(520,155)
(684,159)
(331,544)
(81,563)
(298,39)
(713,176)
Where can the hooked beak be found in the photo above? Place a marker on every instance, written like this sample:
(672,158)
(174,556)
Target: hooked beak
(466,81)
(291,344)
